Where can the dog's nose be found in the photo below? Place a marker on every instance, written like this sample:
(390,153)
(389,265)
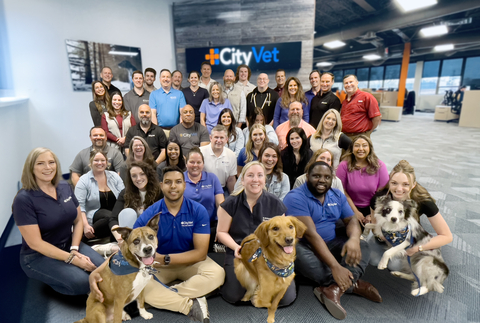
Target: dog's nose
(289,240)
(394,219)
(147,250)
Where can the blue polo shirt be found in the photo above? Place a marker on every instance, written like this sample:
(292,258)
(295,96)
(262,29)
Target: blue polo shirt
(204,192)
(175,233)
(242,156)
(301,202)
(53,217)
(168,106)
(212,111)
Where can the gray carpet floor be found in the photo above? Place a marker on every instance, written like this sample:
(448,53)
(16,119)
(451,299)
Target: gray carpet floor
(446,158)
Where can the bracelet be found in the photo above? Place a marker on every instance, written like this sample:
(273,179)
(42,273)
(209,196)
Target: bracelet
(74,248)
(70,258)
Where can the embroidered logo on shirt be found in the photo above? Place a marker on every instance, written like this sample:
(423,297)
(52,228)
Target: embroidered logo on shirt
(151,135)
(332,204)
(204,224)
(66,200)
(173,97)
(188,135)
(207,186)
(187,223)
(265,219)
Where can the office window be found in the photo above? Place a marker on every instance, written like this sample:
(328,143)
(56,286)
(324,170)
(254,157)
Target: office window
(338,83)
(450,77)
(392,77)
(362,76)
(471,76)
(411,76)
(430,77)
(376,77)
(350,71)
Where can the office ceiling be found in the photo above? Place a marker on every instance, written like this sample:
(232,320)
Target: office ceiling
(381,27)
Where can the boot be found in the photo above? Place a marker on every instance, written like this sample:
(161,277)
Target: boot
(330,297)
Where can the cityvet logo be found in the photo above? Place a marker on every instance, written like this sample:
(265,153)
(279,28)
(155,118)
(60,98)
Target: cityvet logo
(231,56)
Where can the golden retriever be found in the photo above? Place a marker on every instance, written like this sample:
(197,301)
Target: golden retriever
(271,248)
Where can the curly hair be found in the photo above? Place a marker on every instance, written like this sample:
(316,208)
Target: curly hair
(372,159)
(132,193)
(299,96)
(231,128)
(278,169)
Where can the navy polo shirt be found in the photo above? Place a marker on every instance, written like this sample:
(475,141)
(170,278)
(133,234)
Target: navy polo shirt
(245,222)
(242,156)
(301,202)
(175,233)
(204,192)
(53,217)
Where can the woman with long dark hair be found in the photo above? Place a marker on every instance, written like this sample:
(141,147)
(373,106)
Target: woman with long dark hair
(235,135)
(174,158)
(194,94)
(294,92)
(296,155)
(100,103)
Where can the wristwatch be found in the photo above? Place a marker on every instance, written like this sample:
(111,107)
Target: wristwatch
(420,248)
(167,260)
(74,248)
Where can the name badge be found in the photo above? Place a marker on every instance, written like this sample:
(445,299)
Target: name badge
(360,101)
(324,102)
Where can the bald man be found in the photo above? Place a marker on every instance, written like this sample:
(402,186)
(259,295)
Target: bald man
(234,93)
(262,97)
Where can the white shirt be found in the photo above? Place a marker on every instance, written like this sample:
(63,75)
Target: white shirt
(223,166)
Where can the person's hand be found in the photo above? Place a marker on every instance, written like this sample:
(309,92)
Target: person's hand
(237,252)
(83,262)
(121,141)
(343,277)
(360,217)
(88,231)
(411,251)
(368,219)
(352,249)
(94,279)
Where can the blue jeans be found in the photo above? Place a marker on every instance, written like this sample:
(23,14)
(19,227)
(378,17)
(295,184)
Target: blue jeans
(308,264)
(63,278)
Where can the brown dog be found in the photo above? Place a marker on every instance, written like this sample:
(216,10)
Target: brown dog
(266,267)
(119,286)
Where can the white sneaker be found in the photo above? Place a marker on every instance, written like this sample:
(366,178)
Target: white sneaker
(199,310)
(106,249)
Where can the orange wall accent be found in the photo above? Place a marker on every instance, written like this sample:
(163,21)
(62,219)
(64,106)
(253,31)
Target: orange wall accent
(403,74)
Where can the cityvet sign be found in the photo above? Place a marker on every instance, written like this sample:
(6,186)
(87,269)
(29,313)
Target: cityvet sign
(257,57)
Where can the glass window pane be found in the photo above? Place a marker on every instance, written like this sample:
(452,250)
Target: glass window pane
(431,69)
(411,76)
(430,77)
(362,74)
(338,84)
(351,71)
(376,73)
(471,76)
(392,77)
(450,76)
(338,75)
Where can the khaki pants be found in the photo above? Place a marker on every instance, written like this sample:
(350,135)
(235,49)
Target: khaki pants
(353,135)
(197,280)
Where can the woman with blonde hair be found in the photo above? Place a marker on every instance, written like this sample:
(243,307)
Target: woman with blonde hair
(100,103)
(239,216)
(49,218)
(211,107)
(329,135)
(294,92)
(138,151)
(258,136)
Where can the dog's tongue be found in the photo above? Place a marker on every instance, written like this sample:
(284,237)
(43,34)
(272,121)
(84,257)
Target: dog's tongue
(147,260)
(288,249)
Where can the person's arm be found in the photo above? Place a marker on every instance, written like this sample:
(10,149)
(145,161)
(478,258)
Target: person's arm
(152,103)
(230,183)
(342,276)
(276,114)
(243,110)
(352,247)
(203,112)
(81,195)
(376,122)
(344,141)
(198,253)
(443,237)
(74,177)
(154,116)
(77,231)
(306,112)
(96,116)
(202,119)
(285,186)
(357,213)
(161,157)
(240,142)
(110,136)
(223,226)
(128,138)
(219,199)
(272,136)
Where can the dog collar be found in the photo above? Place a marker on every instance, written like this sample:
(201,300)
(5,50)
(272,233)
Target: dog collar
(396,237)
(120,266)
(280,272)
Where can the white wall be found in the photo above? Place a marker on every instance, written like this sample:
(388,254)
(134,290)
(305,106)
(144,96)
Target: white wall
(55,116)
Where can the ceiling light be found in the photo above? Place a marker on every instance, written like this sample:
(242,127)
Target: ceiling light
(372,57)
(443,48)
(334,44)
(324,64)
(434,31)
(409,5)
(112,52)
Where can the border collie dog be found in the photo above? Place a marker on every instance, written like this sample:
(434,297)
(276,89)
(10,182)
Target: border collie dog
(397,224)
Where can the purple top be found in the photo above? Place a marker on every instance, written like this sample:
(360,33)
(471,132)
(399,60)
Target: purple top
(360,185)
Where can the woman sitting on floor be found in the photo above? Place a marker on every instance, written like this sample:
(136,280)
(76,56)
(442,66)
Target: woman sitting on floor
(259,117)
(258,136)
(49,218)
(296,155)
(138,150)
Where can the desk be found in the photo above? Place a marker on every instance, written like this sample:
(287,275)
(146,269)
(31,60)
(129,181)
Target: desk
(444,113)
(470,114)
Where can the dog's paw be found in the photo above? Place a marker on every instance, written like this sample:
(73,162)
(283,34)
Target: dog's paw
(125,316)
(383,263)
(396,273)
(419,291)
(145,314)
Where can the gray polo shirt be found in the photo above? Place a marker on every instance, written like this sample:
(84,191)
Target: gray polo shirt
(81,161)
(189,137)
(132,101)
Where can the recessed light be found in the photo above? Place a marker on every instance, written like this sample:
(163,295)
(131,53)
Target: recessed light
(324,64)
(443,48)
(410,5)
(372,57)
(334,44)
(434,31)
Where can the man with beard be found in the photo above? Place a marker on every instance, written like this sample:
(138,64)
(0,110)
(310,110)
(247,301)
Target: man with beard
(234,93)
(137,96)
(262,97)
(335,263)
(295,115)
(107,76)
(189,133)
(324,100)
(150,75)
(153,134)
(81,163)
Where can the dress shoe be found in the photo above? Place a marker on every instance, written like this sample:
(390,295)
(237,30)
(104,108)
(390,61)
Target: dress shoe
(330,297)
(365,289)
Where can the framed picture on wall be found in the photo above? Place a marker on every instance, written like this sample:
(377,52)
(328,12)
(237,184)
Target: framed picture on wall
(86,60)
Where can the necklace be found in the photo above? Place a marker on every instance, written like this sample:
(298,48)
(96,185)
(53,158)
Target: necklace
(194,92)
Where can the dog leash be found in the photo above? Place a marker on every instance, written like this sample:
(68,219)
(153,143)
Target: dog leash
(410,264)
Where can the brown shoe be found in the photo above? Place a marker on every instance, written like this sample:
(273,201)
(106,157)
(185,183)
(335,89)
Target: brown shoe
(365,289)
(330,297)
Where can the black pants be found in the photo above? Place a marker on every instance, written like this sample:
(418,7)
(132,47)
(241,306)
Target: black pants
(103,221)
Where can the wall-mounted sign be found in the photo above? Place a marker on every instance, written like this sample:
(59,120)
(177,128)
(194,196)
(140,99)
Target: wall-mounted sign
(265,57)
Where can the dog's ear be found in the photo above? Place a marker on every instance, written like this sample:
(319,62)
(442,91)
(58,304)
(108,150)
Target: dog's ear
(153,222)
(262,233)
(410,209)
(124,232)
(300,227)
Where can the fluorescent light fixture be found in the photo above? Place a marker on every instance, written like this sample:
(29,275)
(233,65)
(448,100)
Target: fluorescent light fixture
(324,64)
(334,44)
(371,57)
(434,31)
(410,5)
(443,48)
(112,52)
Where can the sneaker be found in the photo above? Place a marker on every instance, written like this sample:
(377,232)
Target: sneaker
(199,310)
(219,247)
(106,249)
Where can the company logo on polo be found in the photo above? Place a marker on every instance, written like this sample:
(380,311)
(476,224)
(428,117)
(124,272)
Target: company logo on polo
(231,56)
